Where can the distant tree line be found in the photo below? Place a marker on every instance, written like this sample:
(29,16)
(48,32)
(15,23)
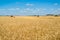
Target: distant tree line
(47,15)
(35,15)
(53,15)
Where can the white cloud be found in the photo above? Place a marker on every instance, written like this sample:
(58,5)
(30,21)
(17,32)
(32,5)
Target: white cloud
(27,9)
(30,11)
(17,2)
(58,8)
(17,8)
(55,4)
(44,9)
(56,11)
(11,9)
(52,9)
(2,9)
(29,4)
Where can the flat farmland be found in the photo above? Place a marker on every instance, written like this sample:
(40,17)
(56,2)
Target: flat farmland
(29,28)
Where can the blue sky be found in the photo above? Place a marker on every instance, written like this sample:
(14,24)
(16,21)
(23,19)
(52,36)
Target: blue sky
(29,7)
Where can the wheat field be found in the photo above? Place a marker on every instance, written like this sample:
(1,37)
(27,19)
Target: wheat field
(29,28)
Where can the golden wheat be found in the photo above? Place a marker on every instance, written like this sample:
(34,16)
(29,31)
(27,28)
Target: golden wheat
(29,28)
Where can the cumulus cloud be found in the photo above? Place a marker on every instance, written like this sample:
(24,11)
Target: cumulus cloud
(55,4)
(44,9)
(29,4)
(17,8)
(58,8)
(2,9)
(56,11)
(11,9)
(51,9)
(17,2)
(30,11)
